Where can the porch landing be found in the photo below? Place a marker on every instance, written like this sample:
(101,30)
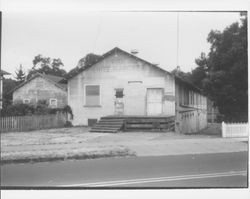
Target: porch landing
(138,116)
(115,123)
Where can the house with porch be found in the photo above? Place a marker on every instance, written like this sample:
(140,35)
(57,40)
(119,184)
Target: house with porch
(123,91)
(42,88)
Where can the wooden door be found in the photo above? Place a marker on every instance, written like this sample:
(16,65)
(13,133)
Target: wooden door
(154,101)
(119,102)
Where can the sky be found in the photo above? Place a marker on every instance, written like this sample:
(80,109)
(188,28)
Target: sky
(73,34)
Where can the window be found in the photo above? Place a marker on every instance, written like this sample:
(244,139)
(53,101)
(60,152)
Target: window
(180,96)
(186,102)
(92,95)
(119,93)
(26,101)
(53,102)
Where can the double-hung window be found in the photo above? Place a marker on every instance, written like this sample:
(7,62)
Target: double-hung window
(92,95)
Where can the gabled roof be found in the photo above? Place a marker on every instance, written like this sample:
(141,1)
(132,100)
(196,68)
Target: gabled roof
(115,50)
(2,72)
(50,78)
(53,78)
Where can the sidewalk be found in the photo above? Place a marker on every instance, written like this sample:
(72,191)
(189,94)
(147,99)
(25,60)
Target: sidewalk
(189,146)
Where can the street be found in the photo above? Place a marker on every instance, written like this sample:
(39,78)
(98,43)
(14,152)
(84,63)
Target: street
(200,170)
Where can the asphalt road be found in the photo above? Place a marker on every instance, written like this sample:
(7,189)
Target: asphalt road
(203,170)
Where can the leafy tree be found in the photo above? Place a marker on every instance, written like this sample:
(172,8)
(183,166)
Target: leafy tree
(181,74)
(226,81)
(20,75)
(200,73)
(88,60)
(84,62)
(47,66)
(8,85)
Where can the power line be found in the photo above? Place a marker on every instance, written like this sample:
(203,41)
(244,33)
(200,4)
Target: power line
(98,33)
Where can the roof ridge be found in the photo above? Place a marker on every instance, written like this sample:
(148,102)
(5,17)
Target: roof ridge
(115,49)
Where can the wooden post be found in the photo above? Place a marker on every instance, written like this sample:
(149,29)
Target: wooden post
(223,130)
(125,125)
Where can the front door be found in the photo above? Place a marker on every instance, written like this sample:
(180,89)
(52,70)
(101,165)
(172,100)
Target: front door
(154,101)
(119,101)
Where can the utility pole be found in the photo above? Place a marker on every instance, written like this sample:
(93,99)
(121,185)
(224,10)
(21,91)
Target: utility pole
(1,76)
(0,38)
(177,42)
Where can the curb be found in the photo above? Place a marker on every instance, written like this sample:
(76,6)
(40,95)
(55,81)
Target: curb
(124,153)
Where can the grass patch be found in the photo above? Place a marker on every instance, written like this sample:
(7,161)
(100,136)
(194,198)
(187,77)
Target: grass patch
(33,158)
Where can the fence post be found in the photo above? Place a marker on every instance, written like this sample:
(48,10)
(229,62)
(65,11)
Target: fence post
(223,130)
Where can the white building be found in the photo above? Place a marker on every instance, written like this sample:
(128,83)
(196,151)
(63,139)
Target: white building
(123,86)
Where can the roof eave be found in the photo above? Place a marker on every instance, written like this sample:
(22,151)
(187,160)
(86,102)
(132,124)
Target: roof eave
(189,84)
(115,50)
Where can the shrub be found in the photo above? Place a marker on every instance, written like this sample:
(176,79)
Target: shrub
(68,124)
(67,109)
(18,110)
(39,109)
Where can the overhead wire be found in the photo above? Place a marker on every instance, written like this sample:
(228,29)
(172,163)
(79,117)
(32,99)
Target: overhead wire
(98,33)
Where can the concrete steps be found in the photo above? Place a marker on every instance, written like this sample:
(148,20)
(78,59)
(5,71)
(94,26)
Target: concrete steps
(108,125)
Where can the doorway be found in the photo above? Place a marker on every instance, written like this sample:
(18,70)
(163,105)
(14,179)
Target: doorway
(119,101)
(154,101)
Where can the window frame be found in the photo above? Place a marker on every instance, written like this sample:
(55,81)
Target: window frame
(85,95)
(28,99)
(51,100)
(119,90)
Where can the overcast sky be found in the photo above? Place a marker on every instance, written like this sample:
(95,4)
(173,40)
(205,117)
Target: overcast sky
(71,35)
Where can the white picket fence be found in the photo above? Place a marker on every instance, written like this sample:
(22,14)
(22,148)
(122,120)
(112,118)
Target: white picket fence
(234,130)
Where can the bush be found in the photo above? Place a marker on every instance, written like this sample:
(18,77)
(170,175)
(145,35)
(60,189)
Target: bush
(27,109)
(18,110)
(67,109)
(68,124)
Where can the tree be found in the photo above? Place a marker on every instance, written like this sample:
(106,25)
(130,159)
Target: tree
(8,85)
(185,76)
(88,60)
(200,73)
(227,70)
(84,62)
(47,66)
(20,75)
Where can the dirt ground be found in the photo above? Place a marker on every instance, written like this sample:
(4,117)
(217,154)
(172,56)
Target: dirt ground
(78,142)
(79,135)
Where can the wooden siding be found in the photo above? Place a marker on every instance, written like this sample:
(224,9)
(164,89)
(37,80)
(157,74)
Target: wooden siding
(40,89)
(149,124)
(191,109)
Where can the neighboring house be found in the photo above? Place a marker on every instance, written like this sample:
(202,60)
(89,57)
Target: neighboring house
(121,84)
(2,73)
(41,88)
